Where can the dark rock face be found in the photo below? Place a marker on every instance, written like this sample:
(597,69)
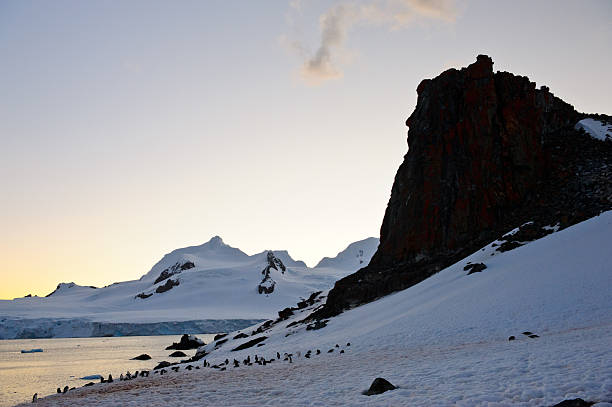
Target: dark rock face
(266,286)
(378,386)
(487,153)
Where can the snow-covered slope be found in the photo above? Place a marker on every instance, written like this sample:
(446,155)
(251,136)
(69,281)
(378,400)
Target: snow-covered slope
(198,286)
(443,342)
(596,128)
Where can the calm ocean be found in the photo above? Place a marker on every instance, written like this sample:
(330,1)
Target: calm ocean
(65,360)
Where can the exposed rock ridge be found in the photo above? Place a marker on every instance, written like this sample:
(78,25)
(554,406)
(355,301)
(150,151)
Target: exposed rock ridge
(487,152)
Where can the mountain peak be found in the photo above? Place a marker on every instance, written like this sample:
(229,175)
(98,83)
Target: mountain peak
(216,241)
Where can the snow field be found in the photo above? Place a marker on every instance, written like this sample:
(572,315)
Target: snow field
(443,342)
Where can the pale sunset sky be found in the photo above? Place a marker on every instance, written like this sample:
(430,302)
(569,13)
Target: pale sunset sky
(131,128)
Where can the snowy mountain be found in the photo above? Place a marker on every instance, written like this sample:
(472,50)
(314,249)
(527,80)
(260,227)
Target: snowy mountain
(354,257)
(208,288)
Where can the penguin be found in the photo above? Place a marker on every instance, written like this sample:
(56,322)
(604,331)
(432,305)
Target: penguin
(110,378)
(277,355)
(121,377)
(59,391)
(236,363)
(226,361)
(35,398)
(65,389)
(318,351)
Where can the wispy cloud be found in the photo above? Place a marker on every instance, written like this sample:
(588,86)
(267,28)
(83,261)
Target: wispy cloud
(337,21)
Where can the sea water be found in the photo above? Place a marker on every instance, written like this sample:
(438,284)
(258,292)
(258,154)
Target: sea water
(65,360)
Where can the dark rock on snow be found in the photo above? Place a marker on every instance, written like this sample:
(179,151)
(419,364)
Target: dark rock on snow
(177,354)
(175,269)
(266,286)
(167,286)
(241,335)
(378,386)
(474,268)
(250,343)
(487,152)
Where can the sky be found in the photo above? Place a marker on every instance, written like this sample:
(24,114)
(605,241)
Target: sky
(129,129)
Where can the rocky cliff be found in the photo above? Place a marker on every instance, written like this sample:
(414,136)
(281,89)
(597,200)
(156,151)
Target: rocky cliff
(487,153)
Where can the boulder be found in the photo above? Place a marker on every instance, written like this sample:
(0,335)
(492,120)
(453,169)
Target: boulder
(574,403)
(144,356)
(187,342)
(378,386)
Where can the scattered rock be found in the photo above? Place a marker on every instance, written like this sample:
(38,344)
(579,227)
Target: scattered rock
(378,386)
(219,336)
(527,333)
(534,336)
(511,338)
(177,354)
(143,295)
(241,335)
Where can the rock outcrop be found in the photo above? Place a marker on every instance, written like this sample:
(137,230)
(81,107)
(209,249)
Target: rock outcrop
(267,284)
(487,153)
